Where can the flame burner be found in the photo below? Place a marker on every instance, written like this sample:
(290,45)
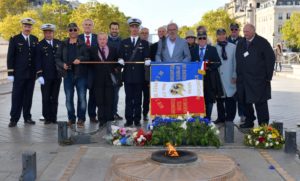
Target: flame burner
(183,158)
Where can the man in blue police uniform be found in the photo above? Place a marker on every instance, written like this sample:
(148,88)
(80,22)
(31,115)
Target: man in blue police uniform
(47,74)
(21,71)
(90,40)
(133,49)
(235,34)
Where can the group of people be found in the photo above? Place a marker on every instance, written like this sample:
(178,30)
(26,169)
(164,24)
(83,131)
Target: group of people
(238,71)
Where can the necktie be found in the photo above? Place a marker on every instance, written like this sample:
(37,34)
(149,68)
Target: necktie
(27,40)
(248,43)
(201,54)
(88,42)
(133,41)
(103,52)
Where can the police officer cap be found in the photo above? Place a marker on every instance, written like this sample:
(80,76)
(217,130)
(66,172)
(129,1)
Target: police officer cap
(190,33)
(134,21)
(201,34)
(72,25)
(28,21)
(234,26)
(221,31)
(49,27)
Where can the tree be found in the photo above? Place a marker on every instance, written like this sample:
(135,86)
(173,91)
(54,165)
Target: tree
(11,25)
(102,15)
(12,7)
(214,20)
(57,14)
(291,31)
(182,30)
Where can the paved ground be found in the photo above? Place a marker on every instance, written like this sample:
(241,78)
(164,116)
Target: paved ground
(54,161)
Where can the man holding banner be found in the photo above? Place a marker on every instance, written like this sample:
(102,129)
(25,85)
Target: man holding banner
(208,56)
(135,53)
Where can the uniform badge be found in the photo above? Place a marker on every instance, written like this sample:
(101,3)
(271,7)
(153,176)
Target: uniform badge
(45,47)
(126,46)
(20,44)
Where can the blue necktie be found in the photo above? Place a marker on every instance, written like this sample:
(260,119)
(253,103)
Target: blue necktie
(201,54)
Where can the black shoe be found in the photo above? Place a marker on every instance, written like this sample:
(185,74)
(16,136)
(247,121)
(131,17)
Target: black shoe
(12,124)
(128,124)
(146,118)
(29,121)
(102,125)
(117,117)
(93,120)
(218,121)
(247,125)
(47,121)
(54,122)
(137,124)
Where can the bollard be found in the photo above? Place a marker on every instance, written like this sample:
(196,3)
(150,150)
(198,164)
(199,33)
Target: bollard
(62,131)
(290,142)
(278,126)
(29,166)
(229,132)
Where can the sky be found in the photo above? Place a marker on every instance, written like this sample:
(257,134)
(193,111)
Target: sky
(155,13)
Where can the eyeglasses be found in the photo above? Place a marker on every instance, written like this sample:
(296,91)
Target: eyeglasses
(71,30)
(234,29)
(202,38)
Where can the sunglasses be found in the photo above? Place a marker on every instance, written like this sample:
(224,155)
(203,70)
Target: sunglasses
(234,29)
(71,30)
(202,38)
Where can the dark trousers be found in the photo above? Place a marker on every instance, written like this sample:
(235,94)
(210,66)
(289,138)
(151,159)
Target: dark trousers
(21,99)
(133,102)
(116,99)
(208,109)
(104,101)
(50,94)
(92,103)
(226,108)
(146,98)
(241,109)
(262,112)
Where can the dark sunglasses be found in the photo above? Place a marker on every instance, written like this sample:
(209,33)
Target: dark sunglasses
(71,30)
(202,38)
(234,29)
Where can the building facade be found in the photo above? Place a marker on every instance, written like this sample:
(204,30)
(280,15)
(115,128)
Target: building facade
(268,16)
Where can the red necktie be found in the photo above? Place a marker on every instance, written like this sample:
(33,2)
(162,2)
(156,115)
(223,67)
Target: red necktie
(88,42)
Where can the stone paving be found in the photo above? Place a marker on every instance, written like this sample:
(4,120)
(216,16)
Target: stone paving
(52,159)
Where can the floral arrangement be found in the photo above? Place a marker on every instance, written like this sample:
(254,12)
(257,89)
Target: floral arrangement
(264,137)
(128,136)
(177,131)
(184,131)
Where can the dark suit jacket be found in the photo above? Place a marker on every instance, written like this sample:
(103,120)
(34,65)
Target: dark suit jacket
(20,57)
(153,50)
(91,73)
(134,73)
(212,82)
(45,60)
(103,72)
(254,71)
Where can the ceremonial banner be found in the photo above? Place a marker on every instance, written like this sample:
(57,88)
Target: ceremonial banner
(177,88)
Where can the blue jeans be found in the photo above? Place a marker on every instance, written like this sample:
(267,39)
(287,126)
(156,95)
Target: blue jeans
(80,83)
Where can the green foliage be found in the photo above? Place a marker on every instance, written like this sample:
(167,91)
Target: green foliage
(102,15)
(291,31)
(60,15)
(57,14)
(197,134)
(182,30)
(11,25)
(212,20)
(12,7)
